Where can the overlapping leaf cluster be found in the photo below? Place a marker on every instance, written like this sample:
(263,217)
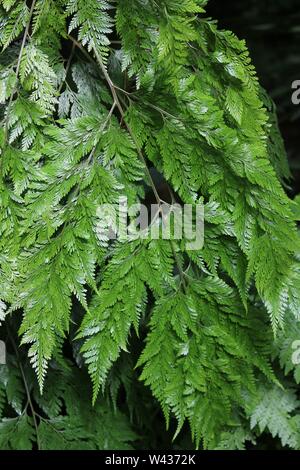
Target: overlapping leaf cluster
(95,95)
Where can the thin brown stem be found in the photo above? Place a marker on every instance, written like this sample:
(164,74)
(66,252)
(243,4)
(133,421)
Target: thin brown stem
(67,68)
(120,108)
(82,49)
(181,272)
(113,88)
(34,414)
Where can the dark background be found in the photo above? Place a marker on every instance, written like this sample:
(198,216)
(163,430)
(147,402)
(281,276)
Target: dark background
(272,32)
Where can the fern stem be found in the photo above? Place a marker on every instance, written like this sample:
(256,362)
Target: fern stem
(113,89)
(181,272)
(159,201)
(116,98)
(67,68)
(17,71)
